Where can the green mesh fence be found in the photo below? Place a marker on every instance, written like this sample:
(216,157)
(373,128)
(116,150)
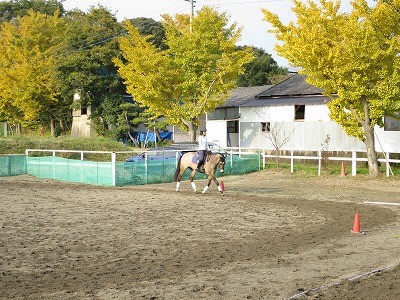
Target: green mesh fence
(135,173)
(11,165)
(64,169)
(102,173)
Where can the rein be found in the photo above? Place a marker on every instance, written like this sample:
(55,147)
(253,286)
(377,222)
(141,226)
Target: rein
(211,158)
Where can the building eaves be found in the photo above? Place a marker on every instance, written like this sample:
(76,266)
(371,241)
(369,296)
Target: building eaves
(294,85)
(285,101)
(242,95)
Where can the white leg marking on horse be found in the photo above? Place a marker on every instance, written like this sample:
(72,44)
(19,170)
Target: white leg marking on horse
(177,186)
(193,186)
(220,189)
(205,189)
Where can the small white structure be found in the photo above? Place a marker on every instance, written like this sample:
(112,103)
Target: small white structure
(81,123)
(291,115)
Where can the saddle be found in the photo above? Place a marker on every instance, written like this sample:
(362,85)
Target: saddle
(206,157)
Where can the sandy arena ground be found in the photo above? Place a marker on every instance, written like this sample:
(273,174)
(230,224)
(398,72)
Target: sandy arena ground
(271,236)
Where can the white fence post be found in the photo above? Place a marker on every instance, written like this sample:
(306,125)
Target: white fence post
(54,165)
(387,165)
(291,162)
(263,154)
(354,163)
(319,163)
(113,168)
(231,159)
(81,166)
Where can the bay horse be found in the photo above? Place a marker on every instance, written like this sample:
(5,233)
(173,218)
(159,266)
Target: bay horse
(189,161)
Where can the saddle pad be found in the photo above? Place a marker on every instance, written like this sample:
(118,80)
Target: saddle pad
(195,158)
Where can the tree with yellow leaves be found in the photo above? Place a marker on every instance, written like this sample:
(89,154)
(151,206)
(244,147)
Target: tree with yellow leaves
(353,57)
(27,86)
(190,78)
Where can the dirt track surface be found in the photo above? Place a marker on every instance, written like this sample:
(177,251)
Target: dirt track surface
(271,236)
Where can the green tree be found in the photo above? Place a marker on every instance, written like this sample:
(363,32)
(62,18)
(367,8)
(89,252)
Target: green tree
(147,26)
(354,57)
(10,10)
(262,70)
(28,90)
(190,78)
(86,64)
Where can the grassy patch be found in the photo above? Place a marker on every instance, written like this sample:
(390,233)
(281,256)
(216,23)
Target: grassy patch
(310,170)
(18,144)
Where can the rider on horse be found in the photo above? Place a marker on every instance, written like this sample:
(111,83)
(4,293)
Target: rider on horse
(203,148)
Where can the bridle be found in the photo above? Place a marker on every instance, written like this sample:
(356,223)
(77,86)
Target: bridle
(222,160)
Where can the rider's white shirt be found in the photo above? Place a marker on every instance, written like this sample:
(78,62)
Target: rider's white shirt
(202,142)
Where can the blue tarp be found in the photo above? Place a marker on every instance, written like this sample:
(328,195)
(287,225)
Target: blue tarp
(141,136)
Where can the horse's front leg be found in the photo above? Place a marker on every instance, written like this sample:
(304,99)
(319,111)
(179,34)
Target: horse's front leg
(212,177)
(191,178)
(218,186)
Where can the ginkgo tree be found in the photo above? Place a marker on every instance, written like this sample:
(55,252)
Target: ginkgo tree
(27,87)
(354,57)
(190,78)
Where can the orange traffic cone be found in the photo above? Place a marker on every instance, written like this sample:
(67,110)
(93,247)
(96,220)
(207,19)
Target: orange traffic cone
(342,173)
(356,226)
(222,186)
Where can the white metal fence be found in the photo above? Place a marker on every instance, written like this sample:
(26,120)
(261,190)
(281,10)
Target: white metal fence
(355,157)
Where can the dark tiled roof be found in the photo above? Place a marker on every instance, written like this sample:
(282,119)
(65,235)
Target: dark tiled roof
(241,95)
(294,85)
(294,90)
(282,101)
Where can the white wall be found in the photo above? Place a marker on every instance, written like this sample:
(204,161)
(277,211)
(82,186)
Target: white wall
(267,114)
(309,134)
(283,113)
(316,113)
(387,141)
(216,132)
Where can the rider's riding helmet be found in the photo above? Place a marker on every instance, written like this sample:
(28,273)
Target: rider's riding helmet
(204,129)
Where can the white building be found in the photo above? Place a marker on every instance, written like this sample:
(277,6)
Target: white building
(293,115)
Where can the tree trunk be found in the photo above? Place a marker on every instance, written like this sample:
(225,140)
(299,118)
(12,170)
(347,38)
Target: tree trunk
(192,130)
(372,157)
(370,142)
(135,142)
(52,127)
(61,125)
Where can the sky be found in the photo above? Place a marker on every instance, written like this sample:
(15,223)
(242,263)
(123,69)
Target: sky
(246,13)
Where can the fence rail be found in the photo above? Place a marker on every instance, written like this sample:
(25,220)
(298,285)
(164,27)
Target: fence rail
(115,170)
(319,158)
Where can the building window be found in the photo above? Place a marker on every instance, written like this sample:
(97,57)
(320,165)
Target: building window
(299,112)
(233,126)
(265,126)
(84,110)
(391,124)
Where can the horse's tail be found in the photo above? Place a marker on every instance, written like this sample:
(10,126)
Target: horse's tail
(178,169)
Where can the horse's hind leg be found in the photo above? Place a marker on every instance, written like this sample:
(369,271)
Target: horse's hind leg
(191,177)
(178,180)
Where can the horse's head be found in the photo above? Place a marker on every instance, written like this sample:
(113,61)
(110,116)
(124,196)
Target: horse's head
(221,162)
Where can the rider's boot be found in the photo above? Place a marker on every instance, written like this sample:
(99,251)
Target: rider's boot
(198,167)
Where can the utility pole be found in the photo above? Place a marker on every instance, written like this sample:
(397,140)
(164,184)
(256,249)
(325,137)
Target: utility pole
(191,13)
